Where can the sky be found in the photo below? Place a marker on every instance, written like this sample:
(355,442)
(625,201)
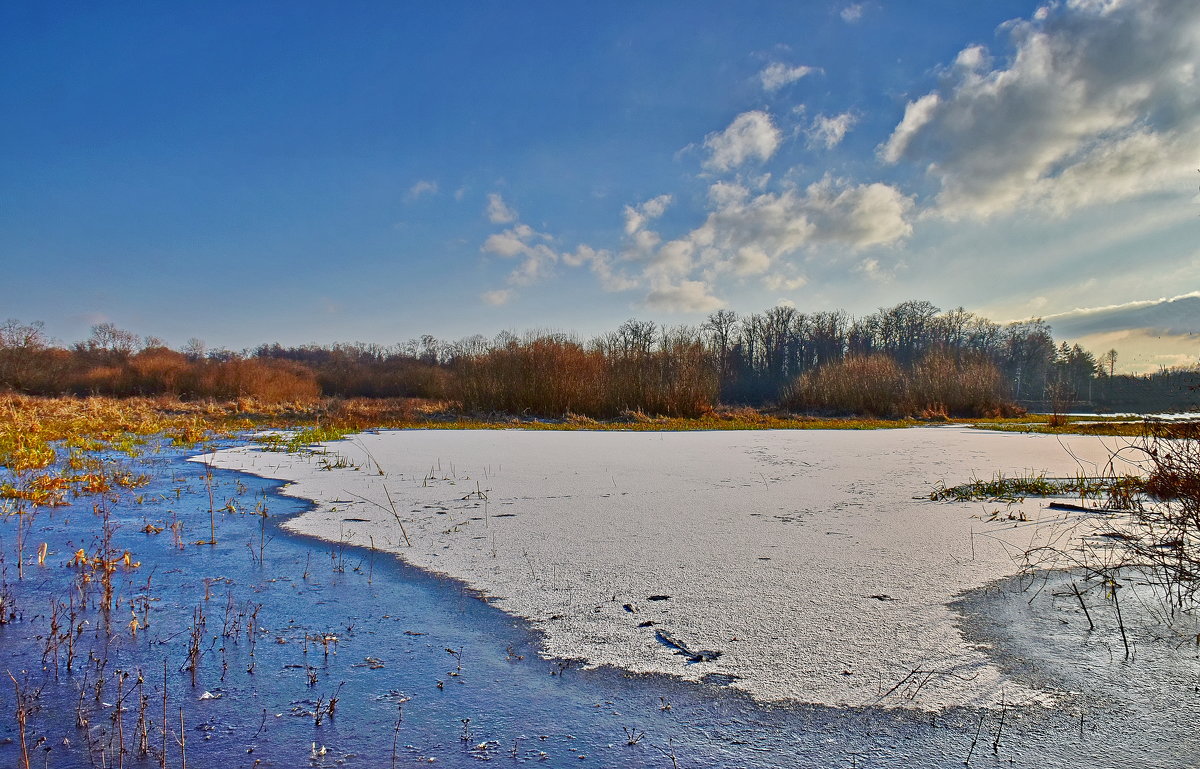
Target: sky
(307,172)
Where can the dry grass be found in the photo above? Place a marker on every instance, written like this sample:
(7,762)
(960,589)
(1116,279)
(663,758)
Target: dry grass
(33,429)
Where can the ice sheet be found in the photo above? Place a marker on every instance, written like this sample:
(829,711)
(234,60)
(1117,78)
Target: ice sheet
(808,559)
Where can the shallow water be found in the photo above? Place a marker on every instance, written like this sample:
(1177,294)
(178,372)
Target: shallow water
(424,671)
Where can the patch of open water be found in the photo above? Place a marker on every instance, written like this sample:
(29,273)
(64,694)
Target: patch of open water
(424,672)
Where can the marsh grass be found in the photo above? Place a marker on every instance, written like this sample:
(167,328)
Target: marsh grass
(1115,491)
(35,430)
(1141,527)
(1049,424)
(1161,539)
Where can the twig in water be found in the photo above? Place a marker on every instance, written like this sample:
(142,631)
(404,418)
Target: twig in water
(974,741)
(1120,619)
(1082,605)
(22,716)
(1000,729)
(395,513)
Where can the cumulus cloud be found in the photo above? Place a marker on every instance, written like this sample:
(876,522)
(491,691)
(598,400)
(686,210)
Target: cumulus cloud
(1098,102)
(421,188)
(521,241)
(828,131)
(510,242)
(747,234)
(636,217)
(827,212)
(917,115)
(686,296)
(751,136)
(777,74)
(751,229)
(536,259)
(498,212)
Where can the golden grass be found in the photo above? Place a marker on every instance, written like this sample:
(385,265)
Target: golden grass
(31,427)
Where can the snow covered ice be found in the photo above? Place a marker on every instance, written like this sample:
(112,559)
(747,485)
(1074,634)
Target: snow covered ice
(812,561)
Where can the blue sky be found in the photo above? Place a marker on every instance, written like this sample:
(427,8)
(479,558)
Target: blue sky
(318,172)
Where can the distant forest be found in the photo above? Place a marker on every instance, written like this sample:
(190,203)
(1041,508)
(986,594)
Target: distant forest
(911,359)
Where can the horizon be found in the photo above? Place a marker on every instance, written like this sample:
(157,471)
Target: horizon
(311,174)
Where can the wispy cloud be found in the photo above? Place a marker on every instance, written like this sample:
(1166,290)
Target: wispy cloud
(498,297)
(828,130)
(421,189)
(852,13)
(777,74)
(498,212)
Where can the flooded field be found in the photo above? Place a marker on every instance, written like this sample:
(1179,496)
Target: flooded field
(273,648)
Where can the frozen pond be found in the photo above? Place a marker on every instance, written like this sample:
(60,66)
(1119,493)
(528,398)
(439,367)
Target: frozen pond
(812,561)
(872,628)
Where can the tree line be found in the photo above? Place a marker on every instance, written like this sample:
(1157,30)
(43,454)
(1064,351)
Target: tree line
(912,358)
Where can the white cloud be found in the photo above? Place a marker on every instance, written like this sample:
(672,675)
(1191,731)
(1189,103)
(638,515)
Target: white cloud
(420,189)
(917,115)
(600,262)
(872,269)
(1178,315)
(782,283)
(750,260)
(636,217)
(1099,102)
(828,131)
(747,234)
(686,296)
(750,136)
(498,297)
(674,259)
(776,75)
(852,13)
(724,194)
(498,212)
(751,229)
(508,243)
(536,259)
(776,225)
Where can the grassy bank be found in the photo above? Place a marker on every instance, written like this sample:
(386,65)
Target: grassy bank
(30,425)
